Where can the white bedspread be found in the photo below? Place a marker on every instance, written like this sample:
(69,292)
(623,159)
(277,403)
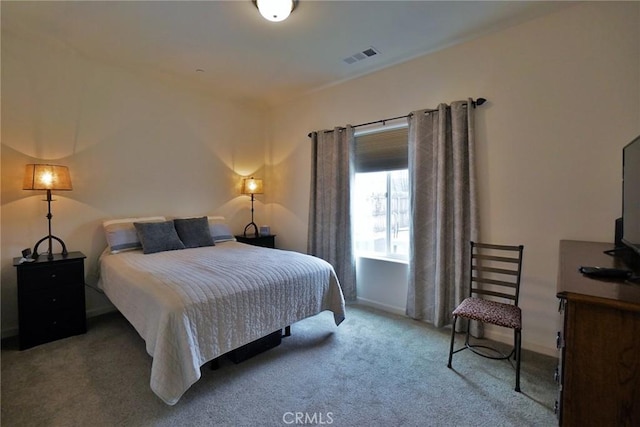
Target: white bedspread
(193,305)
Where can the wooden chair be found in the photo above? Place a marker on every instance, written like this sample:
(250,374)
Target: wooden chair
(493,299)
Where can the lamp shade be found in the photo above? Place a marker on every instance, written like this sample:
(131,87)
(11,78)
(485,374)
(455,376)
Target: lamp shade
(251,186)
(46,177)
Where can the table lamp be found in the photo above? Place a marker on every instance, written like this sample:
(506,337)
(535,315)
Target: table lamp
(47,177)
(251,186)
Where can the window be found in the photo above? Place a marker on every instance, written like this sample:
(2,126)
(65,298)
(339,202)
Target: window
(380,195)
(381,208)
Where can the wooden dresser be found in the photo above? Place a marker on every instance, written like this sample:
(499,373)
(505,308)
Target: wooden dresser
(599,341)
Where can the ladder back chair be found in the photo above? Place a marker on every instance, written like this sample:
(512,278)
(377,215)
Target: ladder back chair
(493,299)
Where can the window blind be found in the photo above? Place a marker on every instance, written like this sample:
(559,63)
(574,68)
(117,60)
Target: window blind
(385,150)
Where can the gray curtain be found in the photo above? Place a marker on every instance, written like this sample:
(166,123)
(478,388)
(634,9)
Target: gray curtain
(443,209)
(330,204)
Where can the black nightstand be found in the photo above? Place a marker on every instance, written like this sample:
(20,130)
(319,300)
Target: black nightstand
(51,298)
(264,241)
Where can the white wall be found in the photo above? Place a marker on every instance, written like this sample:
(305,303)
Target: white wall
(564,98)
(382,284)
(135,145)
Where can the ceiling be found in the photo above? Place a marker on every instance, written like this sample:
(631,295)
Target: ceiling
(227,48)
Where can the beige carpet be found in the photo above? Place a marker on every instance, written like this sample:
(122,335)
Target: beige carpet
(375,369)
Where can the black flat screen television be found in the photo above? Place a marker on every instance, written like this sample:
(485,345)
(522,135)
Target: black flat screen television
(631,197)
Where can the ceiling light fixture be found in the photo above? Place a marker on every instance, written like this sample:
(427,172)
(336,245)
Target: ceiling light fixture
(275,10)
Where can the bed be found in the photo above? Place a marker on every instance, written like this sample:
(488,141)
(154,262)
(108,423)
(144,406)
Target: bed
(193,304)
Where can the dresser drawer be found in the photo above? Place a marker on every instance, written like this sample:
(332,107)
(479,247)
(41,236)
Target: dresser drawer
(42,277)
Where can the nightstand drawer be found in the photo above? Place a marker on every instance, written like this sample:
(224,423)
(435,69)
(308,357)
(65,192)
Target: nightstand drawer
(48,327)
(42,277)
(54,299)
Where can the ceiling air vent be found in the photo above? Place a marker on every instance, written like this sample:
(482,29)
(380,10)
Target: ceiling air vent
(367,53)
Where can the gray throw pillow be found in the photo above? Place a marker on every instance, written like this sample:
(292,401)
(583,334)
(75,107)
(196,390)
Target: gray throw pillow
(194,232)
(158,236)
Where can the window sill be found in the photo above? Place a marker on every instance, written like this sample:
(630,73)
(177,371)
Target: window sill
(383,258)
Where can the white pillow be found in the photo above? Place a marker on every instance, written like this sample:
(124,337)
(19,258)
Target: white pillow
(121,234)
(220,231)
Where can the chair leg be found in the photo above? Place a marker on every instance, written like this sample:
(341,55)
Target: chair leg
(453,337)
(517,342)
(468,333)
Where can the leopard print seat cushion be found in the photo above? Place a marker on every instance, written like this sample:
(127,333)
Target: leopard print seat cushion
(497,313)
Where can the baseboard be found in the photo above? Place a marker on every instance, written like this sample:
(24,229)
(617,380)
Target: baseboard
(100,311)
(498,334)
(9,332)
(506,337)
(380,306)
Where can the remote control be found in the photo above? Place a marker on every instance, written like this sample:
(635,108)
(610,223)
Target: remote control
(605,273)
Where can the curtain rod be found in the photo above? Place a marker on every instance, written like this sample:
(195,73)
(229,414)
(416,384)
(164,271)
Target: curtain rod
(475,103)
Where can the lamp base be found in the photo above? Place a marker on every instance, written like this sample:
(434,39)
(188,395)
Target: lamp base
(255,229)
(50,253)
